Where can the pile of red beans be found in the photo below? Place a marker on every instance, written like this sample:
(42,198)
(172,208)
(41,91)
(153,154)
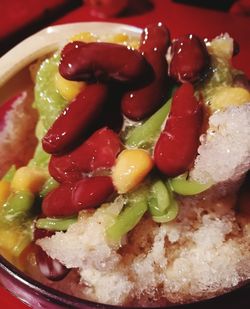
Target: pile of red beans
(84,143)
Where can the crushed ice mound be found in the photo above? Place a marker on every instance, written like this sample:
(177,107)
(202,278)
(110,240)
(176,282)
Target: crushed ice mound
(224,153)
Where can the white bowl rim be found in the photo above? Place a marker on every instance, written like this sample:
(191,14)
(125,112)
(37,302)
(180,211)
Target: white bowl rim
(50,39)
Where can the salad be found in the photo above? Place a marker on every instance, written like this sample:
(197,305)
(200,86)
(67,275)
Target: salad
(129,183)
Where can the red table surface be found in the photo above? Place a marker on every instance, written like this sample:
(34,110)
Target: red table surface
(27,11)
(180,19)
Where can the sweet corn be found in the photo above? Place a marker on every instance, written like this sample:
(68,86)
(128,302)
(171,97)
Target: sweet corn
(28,179)
(123,38)
(229,96)
(4,191)
(68,89)
(131,167)
(84,37)
(134,44)
(13,241)
(119,38)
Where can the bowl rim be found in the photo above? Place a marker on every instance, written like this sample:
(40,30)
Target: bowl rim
(61,298)
(51,38)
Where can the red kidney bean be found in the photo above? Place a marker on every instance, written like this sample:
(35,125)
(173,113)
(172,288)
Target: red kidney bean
(112,116)
(98,151)
(142,102)
(71,47)
(103,62)
(59,201)
(91,192)
(42,233)
(50,268)
(68,199)
(76,119)
(177,145)
(107,8)
(189,59)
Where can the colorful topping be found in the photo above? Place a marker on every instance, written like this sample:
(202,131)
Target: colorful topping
(99,151)
(68,89)
(177,145)
(142,102)
(55,224)
(28,179)
(131,167)
(144,136)
(228,96)
(129,217)
(68,199)
(102,62)
(183,185)
(50,268)
(189,59)
(75,121)
(48,100)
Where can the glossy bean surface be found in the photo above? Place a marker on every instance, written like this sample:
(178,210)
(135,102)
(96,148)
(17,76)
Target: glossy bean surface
(103,62)
(189,59)
(98,151)
(177,145)
(92,192)
(59,202)
(142,102)
(76,119)
(68,199)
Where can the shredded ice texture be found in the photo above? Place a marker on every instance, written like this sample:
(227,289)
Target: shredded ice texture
(17,134)
(224,153)
(201,254)
(84,246)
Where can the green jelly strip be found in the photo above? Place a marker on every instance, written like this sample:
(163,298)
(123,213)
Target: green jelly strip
(184,186)
(18,203)
(128,218)
(41,158)
(10,174)
(158,198)
(144,136)
(55,224)
(165,213)
(170,214)
(48,186)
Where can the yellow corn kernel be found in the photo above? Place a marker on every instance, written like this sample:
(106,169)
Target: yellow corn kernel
(13,241)
(119,38)
(132,165)
(68,89)
(29,179)
(229,96)
(4,191)
(134,44)
(84,37)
